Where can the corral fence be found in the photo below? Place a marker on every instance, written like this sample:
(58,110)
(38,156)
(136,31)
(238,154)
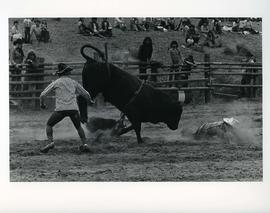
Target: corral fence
(208,79)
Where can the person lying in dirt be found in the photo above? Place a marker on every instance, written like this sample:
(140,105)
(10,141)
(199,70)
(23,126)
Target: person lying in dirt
(66,90)
(220,129)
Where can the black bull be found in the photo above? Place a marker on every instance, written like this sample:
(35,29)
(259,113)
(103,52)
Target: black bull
(139,101)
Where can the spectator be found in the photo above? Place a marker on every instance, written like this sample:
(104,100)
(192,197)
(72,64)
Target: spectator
(36,30)
(188,64)
(217,28)
(171,24)
(160,25)
(106,28)
(210,40)
(27,26)
(249,27)
(247,79)
(203,21)
(15,33)
(235,26)
(176,58)
(31,67)
(136,25)
(44,34)
(144,55)
(204,29)
(82,29)
(192,37)
(94,28)
(119,23)
(17,57)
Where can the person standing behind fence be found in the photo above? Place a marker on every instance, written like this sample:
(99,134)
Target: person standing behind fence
(177,59)
(188,64)
(246,79)
(66,91)
(17,57)
(31,68)
(27,26)
(35,29)
(144,55)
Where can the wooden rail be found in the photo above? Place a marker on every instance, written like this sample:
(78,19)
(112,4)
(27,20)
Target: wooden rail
(200,76)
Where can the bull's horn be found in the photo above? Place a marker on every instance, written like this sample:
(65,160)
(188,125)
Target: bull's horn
(101,54)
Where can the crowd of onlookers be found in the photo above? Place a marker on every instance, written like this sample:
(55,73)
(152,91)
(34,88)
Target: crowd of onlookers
(32,29)
(205,33)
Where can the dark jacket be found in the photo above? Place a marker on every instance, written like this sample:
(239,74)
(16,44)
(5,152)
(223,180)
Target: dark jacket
(145,52)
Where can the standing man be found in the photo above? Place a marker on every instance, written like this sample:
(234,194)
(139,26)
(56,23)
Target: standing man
(27,26)
(66,91)
(17,57)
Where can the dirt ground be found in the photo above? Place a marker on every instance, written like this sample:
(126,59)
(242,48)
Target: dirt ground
(165,156)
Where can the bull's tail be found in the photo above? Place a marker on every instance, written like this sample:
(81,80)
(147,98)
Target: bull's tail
(101,54)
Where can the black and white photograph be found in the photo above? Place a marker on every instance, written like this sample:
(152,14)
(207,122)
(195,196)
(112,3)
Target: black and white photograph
(134,106)
(135,99)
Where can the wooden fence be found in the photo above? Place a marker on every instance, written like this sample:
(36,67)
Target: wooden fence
(209,78)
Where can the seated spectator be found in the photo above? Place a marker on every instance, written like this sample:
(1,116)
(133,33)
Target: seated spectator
(192,37)
(204,29)
(147,23)
(160,25)
(15,33)
(203,21)
(242,25)
(119,23)
(171,24)
(217,28)
(82,29)
(106,28)
(133,24)
(235,26)
(27,26)
(94,28)
(136,25)
(210,39)
(249,27)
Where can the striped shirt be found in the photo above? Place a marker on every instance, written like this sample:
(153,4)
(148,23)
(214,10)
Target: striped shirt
(66,91)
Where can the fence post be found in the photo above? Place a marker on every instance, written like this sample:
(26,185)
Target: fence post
(207,94)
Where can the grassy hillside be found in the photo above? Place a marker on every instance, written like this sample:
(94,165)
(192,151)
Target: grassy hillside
(66,43)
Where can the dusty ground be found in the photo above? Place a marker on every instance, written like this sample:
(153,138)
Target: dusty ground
(165,156)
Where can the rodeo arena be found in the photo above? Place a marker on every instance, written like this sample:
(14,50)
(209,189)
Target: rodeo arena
(135,99)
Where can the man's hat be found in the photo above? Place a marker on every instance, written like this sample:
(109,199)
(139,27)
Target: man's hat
(62,69)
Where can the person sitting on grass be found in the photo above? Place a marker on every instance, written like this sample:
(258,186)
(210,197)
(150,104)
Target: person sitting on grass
(106,28)
(192,37)
(94,28)
(82,29)
(66,91)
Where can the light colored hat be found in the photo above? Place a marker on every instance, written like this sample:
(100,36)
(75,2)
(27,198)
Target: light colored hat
(230,121)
